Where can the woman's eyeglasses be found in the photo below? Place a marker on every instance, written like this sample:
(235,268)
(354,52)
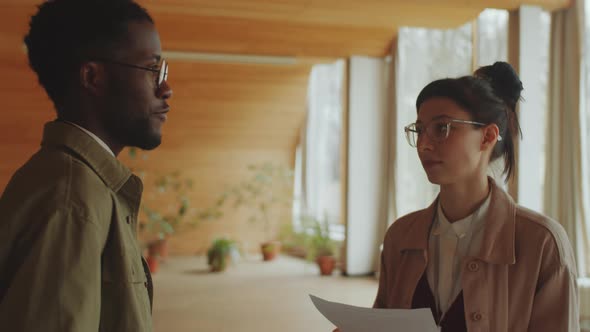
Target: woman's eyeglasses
(437,130)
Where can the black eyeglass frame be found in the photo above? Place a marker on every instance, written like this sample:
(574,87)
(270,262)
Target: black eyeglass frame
(162,75)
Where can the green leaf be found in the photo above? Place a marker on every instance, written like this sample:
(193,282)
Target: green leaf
(168,228)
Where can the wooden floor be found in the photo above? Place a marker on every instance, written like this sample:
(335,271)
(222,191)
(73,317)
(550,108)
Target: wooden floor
(250,296)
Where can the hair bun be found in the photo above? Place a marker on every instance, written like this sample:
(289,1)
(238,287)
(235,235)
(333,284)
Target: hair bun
(504,81)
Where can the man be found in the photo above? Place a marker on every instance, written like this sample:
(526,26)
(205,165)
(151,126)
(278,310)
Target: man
(69,257)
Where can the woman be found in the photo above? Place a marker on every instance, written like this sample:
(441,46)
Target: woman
(476,258)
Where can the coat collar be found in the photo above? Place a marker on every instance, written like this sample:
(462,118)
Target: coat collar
(113,173)
(498,241)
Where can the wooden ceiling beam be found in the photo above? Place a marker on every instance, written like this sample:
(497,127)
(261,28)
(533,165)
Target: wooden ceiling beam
(244,36)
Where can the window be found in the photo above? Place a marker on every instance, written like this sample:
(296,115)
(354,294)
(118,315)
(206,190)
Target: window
(424,55)
(319,158)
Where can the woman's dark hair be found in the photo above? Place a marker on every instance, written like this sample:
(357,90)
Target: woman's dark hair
(490,96)
(63,33)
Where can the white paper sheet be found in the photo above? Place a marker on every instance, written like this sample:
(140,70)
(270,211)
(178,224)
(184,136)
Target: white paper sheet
(357,319)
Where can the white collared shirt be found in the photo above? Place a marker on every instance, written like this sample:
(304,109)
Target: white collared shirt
(449,244)
(96,138)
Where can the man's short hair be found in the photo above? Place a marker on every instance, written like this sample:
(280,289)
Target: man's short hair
(64,33)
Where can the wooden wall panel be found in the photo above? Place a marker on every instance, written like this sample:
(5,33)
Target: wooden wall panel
(247,36)
(328,28)
(345,12)
(223,118)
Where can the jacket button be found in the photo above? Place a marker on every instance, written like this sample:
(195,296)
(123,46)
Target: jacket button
(128,219)
(145,284)
(473,266)
(476,316)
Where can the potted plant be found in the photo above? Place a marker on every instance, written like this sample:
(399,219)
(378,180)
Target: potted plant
(219,254)
(321,248)
(165,206)
(170,196)
(293,241)
(268,188)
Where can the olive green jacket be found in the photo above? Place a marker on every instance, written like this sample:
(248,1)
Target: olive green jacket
(69,256)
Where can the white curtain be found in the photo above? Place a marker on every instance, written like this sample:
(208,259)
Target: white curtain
(564,194)
(322,141)
(566,182)
(533,115)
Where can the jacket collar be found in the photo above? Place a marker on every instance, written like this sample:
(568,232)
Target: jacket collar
(112,172)
(498,241)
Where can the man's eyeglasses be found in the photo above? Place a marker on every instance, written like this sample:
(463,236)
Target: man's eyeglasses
(437,130)
(161,71)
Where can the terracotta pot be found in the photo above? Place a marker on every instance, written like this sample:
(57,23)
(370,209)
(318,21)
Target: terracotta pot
(326,264)
(158,248)
(153,263)
(270,250)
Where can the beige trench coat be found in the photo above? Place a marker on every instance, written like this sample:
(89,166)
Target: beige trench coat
(523,279)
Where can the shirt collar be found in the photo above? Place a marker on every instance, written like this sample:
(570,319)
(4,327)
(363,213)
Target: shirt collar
(462,227)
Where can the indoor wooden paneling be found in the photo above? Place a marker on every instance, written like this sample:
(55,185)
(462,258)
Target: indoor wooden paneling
(223,118)
(243,36)
(221,104)
(328,28)
(343,12)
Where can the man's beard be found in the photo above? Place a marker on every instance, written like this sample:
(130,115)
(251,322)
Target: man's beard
(141,135)
(133,129)
(128,120)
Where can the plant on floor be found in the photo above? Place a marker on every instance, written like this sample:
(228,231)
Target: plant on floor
(166,205)
(267,189)
(173,189)
(293,240)
(166,208)
(219,254)
(321,247)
